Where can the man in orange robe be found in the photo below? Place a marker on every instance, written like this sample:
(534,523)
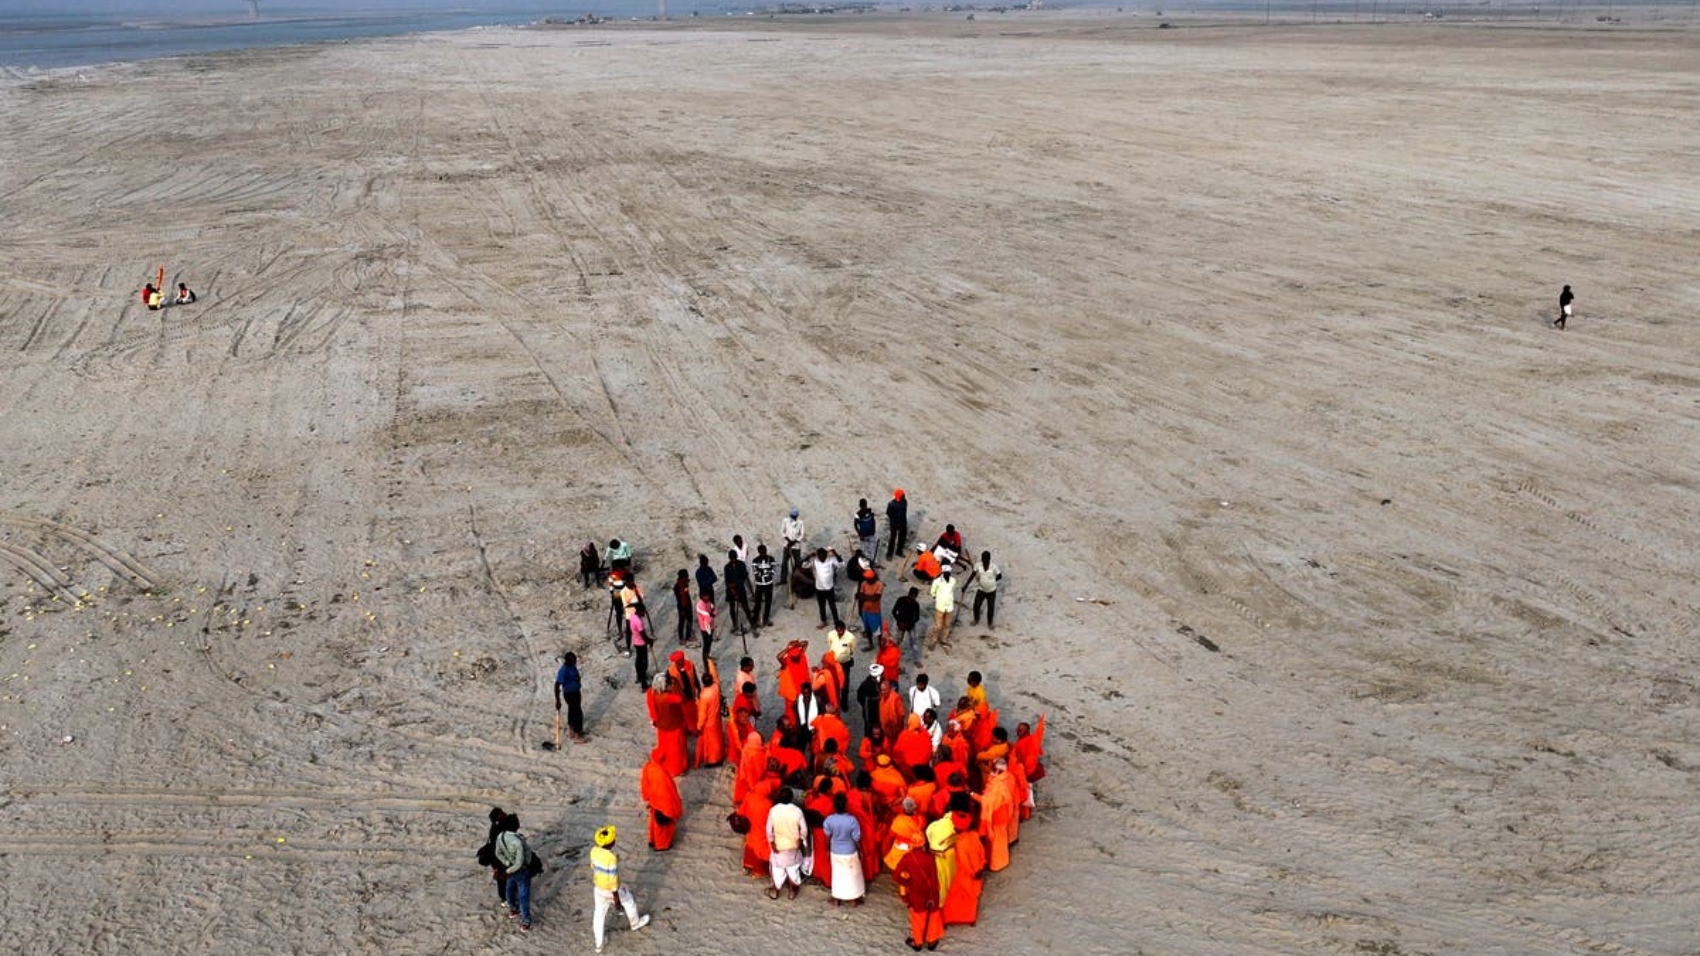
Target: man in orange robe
(662,796)
(913,747)
(829,726)
(962,901)
(889,786)
(997,808)
(793,672)
(711,740)
(894,710)
(908,831)
(667,710)
(917,878)
(1028,750)
(752,767)
(683,675)
(755,806)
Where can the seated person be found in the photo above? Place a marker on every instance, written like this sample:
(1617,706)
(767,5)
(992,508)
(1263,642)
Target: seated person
(184,294)
(951,539)
(926,564)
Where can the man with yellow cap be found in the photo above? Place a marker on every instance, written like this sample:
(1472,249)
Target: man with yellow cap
(605,875)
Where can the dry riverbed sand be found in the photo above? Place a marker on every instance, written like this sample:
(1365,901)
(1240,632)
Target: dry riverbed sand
(1361,602)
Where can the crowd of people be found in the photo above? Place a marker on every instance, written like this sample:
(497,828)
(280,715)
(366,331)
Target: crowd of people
(931,795)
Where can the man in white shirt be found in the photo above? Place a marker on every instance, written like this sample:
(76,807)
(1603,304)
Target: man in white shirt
(791,532)
(944,607)
(923,698)
(826,564)
(982,582)
(788,836)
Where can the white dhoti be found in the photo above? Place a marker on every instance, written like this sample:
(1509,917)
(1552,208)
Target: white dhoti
(847,881)
(786,865)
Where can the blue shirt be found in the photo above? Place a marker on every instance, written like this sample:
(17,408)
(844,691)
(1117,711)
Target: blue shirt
(843,833)
(567,677)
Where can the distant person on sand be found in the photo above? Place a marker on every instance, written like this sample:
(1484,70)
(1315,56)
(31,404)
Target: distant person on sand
(152,297)
(605,877)
(567,690)
(826,565)
(1565,298)
(147,294)
(184,294)
(589,564)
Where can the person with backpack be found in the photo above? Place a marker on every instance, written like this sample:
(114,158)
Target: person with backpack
(487,856)
(521,864)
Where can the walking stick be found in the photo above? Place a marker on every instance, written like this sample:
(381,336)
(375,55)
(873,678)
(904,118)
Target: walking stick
(557,728)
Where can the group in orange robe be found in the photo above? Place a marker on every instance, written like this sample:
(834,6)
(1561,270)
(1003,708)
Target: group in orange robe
(962,900)
(711,741)
(662,796)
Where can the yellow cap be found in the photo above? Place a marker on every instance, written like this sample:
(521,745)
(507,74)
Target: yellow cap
(605,836)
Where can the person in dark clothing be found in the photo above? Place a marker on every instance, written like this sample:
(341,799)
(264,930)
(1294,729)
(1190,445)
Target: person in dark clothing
(589,564)
(866,531)
(868,695)
(705,578)
(682,604)
(567,691)
(1564,300)
(498,817)
(897,524)
(737,576)
(905,612)
(762,570)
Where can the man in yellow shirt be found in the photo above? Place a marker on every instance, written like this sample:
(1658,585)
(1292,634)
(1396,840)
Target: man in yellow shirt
(605,877)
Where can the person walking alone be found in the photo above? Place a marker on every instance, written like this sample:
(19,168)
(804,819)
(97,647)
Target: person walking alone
(685,607)
(1565,298)
(605,878)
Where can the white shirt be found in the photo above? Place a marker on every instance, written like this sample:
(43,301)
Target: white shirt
(842,645)
(922,698)
(826,573)
(937,730)
(786,829)
(986,578)
(742,552)
(791,529)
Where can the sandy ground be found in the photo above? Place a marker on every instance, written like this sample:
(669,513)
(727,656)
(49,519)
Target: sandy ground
(1239,334)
